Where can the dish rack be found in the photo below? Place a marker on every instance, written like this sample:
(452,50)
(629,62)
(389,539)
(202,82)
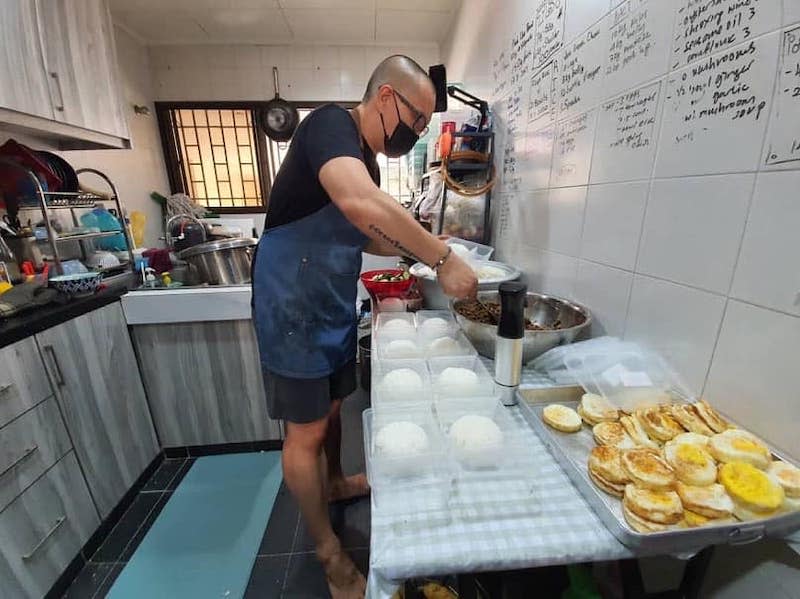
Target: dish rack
(52,201)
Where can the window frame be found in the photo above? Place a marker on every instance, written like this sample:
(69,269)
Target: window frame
(169,144)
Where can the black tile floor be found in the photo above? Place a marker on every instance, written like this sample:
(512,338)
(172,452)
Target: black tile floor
(285,565)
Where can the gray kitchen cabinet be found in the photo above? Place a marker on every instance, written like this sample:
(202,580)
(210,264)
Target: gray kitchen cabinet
(42,530)
(80,57)
(22,380)
(204,382)
(91,362)
(28,447)
(23,79)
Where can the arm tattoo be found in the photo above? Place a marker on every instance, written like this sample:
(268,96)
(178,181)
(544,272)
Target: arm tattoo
(393,242)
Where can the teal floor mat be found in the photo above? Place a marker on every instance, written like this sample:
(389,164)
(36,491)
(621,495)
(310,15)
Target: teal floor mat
(204,542)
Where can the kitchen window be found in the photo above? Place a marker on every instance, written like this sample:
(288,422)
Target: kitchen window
(216,153)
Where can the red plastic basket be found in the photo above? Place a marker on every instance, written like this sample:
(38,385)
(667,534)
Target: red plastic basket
(386,288)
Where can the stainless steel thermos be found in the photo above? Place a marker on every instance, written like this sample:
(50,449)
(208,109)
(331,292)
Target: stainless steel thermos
(508,348)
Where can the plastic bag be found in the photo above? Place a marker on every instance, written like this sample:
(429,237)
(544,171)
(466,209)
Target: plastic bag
(431,204)
(464,216)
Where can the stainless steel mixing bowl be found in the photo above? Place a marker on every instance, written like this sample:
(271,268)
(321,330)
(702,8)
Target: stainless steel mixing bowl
(541,309)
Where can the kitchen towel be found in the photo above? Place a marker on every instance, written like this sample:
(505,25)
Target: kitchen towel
(204,542)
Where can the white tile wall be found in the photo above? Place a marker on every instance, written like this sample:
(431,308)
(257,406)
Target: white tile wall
(679,322)
(768,272)
(651,58)
(582,14)
(755,376)
(613,223)
(607,290)
(553,219)
(693,227)
(694,138)
(572,150)
(791,12)
(681,216)
(550,271)
(625,146)
(538,157)
(244,72)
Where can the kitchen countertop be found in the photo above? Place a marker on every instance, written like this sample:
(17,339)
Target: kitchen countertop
(37,320)
(187,304)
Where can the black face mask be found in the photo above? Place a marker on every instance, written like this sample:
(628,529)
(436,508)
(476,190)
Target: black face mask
(402,139)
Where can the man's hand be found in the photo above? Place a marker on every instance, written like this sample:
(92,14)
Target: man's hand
(457,278)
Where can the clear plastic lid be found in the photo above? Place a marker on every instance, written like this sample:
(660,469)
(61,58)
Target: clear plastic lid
(411,485)
(628,375)
(453,344)
(392,454)
(384,318)
(400,382)
(480,434)
(435,323)
(396,346)
(460,376)
(474,250)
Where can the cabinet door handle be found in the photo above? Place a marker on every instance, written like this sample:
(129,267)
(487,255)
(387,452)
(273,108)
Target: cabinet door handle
(50,533)
(4,389)
(60,105)
(25,455)
(58,376)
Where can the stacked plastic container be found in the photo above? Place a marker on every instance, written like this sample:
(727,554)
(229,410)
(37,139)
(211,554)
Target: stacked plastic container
(426,373)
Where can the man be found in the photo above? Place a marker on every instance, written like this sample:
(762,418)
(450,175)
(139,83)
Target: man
(325,208)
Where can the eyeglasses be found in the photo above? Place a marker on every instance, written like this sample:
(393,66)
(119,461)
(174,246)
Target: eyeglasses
(420,122)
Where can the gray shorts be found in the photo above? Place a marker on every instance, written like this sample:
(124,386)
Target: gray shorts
(306,400)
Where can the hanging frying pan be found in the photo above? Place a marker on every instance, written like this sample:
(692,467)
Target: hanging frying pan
(278,118)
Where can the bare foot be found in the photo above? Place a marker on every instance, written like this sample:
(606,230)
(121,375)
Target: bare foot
(348,487)
(344,579)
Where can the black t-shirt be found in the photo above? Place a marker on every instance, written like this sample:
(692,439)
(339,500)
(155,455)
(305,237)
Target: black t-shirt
(327,133)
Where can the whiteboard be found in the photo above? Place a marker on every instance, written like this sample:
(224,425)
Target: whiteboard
(595,92)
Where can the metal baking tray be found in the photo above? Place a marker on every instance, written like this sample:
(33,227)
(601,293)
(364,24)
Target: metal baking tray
(571,451)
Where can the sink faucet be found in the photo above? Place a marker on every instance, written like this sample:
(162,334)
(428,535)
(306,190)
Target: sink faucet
(168,235)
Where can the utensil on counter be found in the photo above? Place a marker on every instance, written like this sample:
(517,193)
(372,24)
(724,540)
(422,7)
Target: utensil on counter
(26,249)
(509,341)
(278,118)
(222,262)
(543,310)
(11,224)
(8,262)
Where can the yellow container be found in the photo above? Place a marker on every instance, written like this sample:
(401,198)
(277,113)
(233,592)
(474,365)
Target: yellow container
(138,220)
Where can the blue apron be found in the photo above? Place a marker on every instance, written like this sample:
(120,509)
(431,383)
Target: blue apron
(305,276)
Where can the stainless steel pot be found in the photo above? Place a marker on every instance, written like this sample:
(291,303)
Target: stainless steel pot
(542,309)
(222,262)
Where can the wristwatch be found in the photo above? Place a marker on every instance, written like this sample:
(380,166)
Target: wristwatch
(442,260)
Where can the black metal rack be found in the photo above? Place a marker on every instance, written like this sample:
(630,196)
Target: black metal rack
(50,201)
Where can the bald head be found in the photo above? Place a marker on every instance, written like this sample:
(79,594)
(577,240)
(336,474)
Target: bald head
(400,72)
